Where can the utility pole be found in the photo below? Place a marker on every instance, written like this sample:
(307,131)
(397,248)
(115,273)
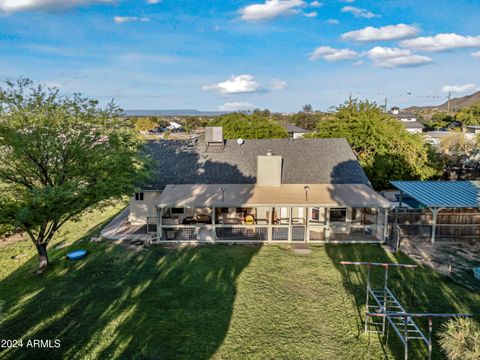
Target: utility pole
(448,102)
(386,102)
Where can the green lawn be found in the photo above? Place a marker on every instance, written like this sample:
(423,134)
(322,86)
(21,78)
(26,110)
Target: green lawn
(222,302)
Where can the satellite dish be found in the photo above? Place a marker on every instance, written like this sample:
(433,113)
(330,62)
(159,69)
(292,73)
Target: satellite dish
(240,141)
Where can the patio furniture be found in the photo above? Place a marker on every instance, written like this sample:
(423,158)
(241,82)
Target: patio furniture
(249,219)
(197,219)
(232,221)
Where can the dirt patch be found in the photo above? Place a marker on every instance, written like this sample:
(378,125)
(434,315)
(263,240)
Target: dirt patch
(4,241)
(455,259)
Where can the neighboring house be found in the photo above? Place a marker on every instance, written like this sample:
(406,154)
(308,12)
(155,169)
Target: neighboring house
(407,119)
(174,126)
(276,190)
(473,129)
(295,131)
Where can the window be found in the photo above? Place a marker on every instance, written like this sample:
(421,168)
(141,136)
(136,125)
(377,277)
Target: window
(139,196)
(338,215)
(316,214)
(177,210)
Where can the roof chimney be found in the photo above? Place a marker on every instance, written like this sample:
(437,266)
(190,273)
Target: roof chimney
(269,169)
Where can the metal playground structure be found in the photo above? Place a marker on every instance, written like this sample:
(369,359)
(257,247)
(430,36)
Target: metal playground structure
(382,303)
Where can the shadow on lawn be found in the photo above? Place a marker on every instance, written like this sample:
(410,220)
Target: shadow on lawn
(158,303)
(424,291)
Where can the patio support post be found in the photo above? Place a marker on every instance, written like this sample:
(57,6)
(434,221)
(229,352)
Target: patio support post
(214,231)
(270,228)
(385,225)
(327,224)
(307,224)
(290,224)
(159,223)
(434,222)
(400,200)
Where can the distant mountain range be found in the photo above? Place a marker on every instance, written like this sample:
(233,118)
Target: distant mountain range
(455,104)
(178,112)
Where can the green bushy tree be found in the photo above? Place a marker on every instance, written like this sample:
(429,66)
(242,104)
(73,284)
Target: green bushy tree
(59,157)
(383,146)
(254,126)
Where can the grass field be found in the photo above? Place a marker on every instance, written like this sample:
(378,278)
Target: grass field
(222,302)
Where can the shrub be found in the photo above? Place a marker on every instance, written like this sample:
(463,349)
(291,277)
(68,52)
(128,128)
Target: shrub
(460,339)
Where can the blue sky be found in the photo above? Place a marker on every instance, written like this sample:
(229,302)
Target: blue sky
(276,54)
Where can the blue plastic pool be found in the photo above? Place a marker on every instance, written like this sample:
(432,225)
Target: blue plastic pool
(77,254)
(476,272)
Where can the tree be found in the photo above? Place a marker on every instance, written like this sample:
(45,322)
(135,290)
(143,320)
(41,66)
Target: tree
(254,126)
(145,124)
(440,121)
(458,144)
(383,146)
(60,157)
(460,339)
(469,115)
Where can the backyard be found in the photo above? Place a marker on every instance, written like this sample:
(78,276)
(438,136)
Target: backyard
(222,302)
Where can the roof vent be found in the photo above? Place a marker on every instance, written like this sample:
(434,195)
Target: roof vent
(269,153)
(240,141)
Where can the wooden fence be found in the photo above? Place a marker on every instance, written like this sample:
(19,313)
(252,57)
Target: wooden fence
(452,225)
(461,172)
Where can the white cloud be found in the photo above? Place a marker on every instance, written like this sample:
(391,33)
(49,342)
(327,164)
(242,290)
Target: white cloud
(331,54)
(442,42)
(395,57)
(235,85)
(316,4)
(154,2)
(347,1)
(358,12)
(127,19)
(311,14)
(277,84)
(333,22)
(270,9)
(459,88)
(232,106)
(476,54)
(11,6)
(389,32)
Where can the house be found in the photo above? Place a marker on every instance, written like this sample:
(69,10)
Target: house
(174,126)
(269,191)
(295,132)
(409,120)
(472,129)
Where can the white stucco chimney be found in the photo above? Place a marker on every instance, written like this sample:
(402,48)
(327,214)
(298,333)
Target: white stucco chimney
(269,170)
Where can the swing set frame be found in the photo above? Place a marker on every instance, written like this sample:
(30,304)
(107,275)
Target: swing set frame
(382,303)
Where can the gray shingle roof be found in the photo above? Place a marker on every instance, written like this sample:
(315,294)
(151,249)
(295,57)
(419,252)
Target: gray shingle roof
(305,161)
(294,129)
(412,124)
(405,115)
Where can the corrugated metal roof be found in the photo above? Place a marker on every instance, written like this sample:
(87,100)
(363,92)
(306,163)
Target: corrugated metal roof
(444,194)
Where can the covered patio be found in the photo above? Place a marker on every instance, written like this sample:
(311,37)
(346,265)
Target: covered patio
(289,213)
(442,210)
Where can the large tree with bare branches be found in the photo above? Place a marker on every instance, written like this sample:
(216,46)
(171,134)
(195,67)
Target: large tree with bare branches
(59,157)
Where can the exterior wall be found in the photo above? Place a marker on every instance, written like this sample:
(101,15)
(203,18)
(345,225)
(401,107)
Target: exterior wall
(414,131)
(308,224)
(298,135)
(141,210)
